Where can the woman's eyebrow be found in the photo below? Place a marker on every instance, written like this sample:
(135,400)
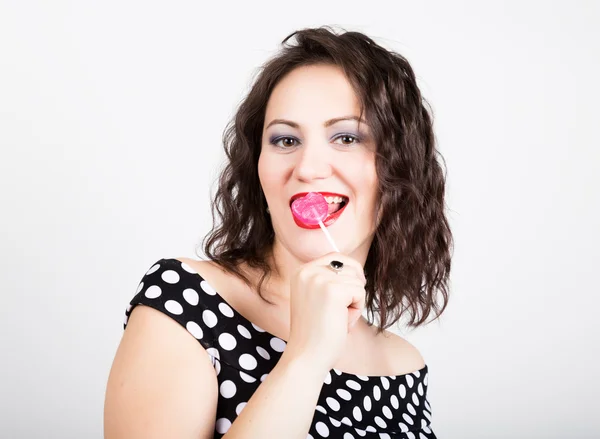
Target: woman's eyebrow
(326,124)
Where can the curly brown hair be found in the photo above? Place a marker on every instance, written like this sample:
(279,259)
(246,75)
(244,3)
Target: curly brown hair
(408,263)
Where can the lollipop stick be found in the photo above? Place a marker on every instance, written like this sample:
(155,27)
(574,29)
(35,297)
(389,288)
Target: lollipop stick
(329,238)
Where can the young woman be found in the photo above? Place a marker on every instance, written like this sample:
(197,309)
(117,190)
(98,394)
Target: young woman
(267,338)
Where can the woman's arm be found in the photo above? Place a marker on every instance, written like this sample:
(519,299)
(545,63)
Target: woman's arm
(284,404)
(162,383)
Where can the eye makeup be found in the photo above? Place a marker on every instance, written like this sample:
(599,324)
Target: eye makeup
(357,138)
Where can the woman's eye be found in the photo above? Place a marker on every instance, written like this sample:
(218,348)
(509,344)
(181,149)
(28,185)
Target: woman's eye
(285,144)
(353,139)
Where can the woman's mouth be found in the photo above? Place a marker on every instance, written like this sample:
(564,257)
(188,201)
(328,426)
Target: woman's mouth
(336,204)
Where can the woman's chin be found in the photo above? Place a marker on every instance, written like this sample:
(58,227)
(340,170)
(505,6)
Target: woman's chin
(311,249)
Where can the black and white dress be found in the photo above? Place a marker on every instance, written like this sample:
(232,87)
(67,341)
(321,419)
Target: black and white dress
(349,406)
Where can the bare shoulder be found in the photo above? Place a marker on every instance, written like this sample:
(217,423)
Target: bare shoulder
(215,275)
(200,266)
(228,286)
(401,355)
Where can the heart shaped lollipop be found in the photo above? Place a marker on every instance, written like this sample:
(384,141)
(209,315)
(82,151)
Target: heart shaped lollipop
(310,209)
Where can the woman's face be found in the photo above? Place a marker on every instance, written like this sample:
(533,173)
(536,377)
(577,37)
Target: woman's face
(313,153)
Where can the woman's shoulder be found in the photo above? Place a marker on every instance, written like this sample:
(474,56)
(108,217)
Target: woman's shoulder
(216,276)
(398,355)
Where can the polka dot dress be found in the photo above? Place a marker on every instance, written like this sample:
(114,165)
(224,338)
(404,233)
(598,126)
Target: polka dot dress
(243,354)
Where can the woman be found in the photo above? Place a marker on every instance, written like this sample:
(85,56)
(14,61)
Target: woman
(266,339)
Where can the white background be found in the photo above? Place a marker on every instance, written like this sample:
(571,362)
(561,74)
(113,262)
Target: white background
(111,116)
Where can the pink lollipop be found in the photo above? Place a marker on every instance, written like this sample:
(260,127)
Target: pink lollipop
(312,209)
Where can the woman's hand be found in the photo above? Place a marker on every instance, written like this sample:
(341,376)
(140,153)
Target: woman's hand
(324,307)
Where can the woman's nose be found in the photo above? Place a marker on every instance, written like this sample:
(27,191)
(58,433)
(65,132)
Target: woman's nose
(313,163)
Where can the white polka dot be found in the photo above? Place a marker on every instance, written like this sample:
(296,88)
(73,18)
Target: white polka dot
(410,380)
(153,292)
(427,415)
(410,435)
(387,412)
(129,307)
(362,377)
(140,286)
(346,421)
(411,409)
(240,407)
(417,373)
(337,371)
(262,378)
(327,379)
(360,432)
(403,427)
(376,393)
(125,320)
(227,341)
(357,414)
(415,399)
(379,421)
(426,379)
(191,296)
(367,403)
(371,429)
(322,429)
(246,377)
(209,318)
(353,385)
(170,277)
(420,389)
(222,425)
(402,391)
(394,401)
(263,352)
(344,394)
(173,307)
(348,436)
(333,403)
(228,389)
(217,365)
(244,332)
(334,422)
(277,344)
(385,382)
(194,329)
(384,436)
(248,362)
(258,328)
(309,436)
(321,409)
(187,268)
(207,288)
(214,353)
(408,419)
(425,428)
(153,269)
(225,309)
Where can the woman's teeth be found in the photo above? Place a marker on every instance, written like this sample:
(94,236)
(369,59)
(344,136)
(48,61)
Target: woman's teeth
(334,200)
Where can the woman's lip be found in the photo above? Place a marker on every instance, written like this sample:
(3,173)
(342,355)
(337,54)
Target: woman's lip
(329,220)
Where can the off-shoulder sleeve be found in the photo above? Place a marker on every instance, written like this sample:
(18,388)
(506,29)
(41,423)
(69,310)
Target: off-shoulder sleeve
(173,288)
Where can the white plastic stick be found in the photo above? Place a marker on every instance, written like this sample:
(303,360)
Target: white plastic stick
(329,238)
